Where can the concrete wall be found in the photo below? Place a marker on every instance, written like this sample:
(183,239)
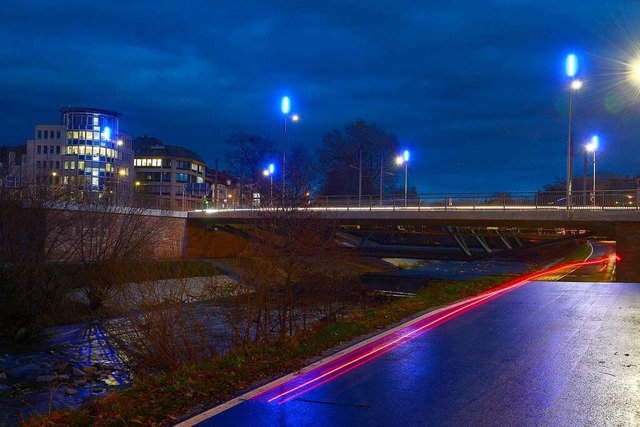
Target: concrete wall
(628,251)
(202,242)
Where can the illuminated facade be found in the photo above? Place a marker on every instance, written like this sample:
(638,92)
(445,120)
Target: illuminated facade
(169,172)
(87,152)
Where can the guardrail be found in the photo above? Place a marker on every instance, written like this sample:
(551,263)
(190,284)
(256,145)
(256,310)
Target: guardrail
(601,200)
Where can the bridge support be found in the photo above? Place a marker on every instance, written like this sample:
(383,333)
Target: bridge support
(481,240)
(628,251)
(453,232)
(504,240)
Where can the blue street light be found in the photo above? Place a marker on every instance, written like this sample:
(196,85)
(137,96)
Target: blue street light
(404,160)
(285,105)
(592,146)
(269,172)
(571,68)
(571,65)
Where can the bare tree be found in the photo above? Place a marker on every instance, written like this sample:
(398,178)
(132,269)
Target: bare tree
(301,174)
(295,273)
(105,239)
(340,158)
(34,228)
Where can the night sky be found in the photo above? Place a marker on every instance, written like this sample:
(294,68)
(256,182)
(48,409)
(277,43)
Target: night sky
(476,91)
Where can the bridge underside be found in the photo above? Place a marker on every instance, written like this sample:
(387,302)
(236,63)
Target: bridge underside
(623,227)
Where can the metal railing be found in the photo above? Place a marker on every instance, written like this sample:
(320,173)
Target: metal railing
(601,200)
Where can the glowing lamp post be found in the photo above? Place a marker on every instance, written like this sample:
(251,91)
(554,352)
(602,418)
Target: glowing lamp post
(634,72)
(575,84)
(269,172)
(404,160)
(592,146)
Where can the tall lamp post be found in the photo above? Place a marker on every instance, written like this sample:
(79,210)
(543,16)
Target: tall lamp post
(574,85)
(592,146)
(269,172)
(404,160)
(285,107)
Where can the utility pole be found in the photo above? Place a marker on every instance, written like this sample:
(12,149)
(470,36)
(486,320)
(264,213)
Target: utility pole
(215,186)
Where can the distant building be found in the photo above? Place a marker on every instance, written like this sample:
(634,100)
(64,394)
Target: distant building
(11,170)
(225,189)
(169,172)
(86,152)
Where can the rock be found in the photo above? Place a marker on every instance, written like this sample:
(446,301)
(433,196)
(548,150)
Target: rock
(4,388)
(80,383)
(89,369)
(45,378)
(97,391)
(70,391)
(3,376)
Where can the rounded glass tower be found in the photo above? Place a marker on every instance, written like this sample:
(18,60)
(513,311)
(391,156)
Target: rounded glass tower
(99,149)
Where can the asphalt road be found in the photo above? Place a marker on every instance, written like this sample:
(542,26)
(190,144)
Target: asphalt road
(542,354)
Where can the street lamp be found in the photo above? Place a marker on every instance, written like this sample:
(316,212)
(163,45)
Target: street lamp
(400,160)
(285,107)
(269,172)
(592,146)
(575,84)
(634,71)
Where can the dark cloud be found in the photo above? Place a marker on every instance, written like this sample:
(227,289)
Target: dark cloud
(475,89)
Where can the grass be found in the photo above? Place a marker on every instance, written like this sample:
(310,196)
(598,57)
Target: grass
(165,398)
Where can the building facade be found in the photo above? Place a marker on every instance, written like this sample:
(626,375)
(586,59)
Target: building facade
(172,174)
(86,152)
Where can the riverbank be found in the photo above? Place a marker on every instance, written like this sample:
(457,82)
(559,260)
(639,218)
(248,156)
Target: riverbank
(166,398)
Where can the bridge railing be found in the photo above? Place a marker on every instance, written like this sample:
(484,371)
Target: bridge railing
(601,200)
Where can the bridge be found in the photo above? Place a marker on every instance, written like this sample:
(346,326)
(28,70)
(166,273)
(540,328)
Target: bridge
(613,215)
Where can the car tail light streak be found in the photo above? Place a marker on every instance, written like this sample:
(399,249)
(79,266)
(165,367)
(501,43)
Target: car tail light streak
(341,365)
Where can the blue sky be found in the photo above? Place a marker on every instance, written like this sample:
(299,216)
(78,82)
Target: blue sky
(475,90)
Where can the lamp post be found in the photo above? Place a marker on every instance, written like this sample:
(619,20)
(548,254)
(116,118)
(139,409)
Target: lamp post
(269,172)
(285,107)
(400,160)
(592,146)
(121,175)
(574,85)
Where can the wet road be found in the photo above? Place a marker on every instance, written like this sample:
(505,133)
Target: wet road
(542,354)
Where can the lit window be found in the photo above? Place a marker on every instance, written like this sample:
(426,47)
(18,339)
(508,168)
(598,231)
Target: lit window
(80,165)
(66,165)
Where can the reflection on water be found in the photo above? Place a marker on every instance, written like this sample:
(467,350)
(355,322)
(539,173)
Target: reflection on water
(74,363)
(70,365)
(409,280)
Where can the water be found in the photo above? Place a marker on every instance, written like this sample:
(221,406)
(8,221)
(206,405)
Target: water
(408,281)
(50,375)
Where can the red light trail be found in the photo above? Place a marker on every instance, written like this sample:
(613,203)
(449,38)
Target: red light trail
(368,351)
